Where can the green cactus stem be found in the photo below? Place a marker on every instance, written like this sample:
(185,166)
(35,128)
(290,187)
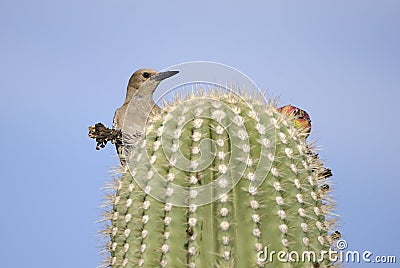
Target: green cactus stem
(217,181)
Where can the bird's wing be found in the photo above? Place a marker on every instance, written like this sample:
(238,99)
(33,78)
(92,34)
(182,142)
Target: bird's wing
(115,120)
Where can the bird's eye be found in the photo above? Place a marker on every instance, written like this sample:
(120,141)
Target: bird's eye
(146,75)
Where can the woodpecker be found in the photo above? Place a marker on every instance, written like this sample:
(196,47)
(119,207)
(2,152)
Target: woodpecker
(132,116)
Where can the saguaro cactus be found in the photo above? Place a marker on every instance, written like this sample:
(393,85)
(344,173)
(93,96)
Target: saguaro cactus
(220,181)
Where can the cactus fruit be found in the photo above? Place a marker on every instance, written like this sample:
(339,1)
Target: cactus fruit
(301,119)
(217,180)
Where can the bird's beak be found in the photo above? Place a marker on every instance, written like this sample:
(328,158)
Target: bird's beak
(163,75)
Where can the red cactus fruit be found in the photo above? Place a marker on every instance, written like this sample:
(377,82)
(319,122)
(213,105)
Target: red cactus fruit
(301,119)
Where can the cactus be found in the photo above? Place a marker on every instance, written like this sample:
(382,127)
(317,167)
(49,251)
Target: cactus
(220,181)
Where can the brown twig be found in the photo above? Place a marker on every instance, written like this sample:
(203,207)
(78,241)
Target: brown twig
(103,134)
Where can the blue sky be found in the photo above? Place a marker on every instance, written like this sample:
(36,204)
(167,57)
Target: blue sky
(65,65)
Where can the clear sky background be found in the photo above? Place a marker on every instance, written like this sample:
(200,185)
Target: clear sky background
(65,65)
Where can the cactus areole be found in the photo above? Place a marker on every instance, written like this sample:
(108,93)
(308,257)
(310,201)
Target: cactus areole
(221,180)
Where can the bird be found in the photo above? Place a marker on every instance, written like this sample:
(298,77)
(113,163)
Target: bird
(132,116)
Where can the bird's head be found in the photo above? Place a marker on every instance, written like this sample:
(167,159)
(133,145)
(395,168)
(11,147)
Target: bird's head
(141,76)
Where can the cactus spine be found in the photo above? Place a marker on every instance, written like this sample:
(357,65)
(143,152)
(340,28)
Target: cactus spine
(217,180)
